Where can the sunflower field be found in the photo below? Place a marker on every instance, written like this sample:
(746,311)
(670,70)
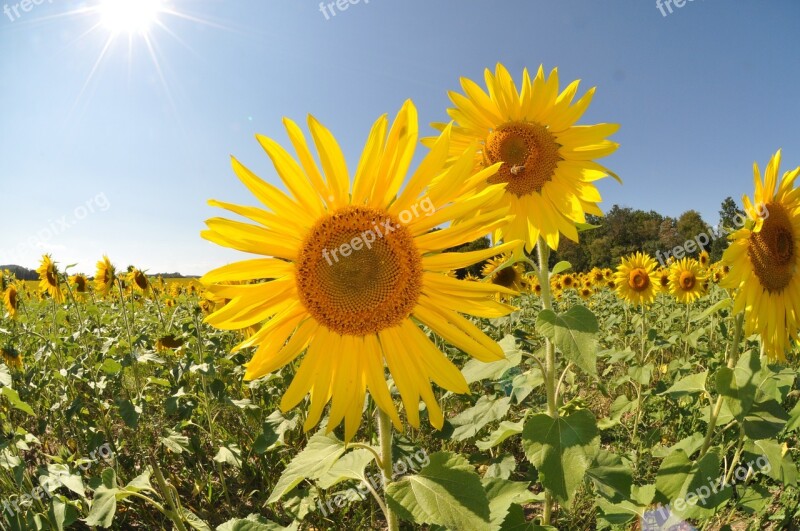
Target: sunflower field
(363,367)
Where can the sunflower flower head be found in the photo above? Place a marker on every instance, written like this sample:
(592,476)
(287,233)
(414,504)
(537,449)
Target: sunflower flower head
(11,300)
(348,272)
(11,357)
(105,276)
(49,279)
(687,280)
(764,260)
(635,280)
(547,161)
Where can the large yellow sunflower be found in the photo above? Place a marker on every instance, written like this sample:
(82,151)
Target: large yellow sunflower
(636,279)
(764,260)
(352,271)
(686,280)
(50,282)
(105,276)
(547,168)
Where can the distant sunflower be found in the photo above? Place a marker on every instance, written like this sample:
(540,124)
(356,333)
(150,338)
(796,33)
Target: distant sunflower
(169,343)
(636,280)
(105,276)
(547,161)
(663,279)
(50,282)
(598,276)
(585,293)
(568,281)
(764,260)
(347,290)
(704,259)
(11,357)
(139,280)
(686,280)
(11,300)
(509,277)
(80,284)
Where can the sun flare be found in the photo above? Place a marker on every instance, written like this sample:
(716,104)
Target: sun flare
(130,16)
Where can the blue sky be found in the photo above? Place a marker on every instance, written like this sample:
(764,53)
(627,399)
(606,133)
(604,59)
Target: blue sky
(135,150)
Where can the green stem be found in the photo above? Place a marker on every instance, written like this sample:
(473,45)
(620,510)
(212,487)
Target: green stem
(385,436)
(550,357)
(638,416)
(732,359)
(174,514)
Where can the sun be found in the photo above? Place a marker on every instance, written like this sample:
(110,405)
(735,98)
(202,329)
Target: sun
(130,16)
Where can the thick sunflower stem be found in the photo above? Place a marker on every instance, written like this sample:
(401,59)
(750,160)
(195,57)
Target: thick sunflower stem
(550,357)
(385,436)
(732,360)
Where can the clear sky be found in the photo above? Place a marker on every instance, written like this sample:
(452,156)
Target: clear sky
(135,148)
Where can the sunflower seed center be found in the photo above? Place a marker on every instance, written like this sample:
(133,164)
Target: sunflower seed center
(356,276)
(530,153)
(772,249)
(638,279)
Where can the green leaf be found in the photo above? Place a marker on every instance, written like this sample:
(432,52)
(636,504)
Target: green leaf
(176,442)
(254,522)
(5,377)
(612,478)
(686,485)
(350,466)
(61,475)
(688,385)
(765,420)
(574,334)
(516,521)
(502,494)
(111,366)
(447,492)
(16,402)
(504,431)
(562,450)
(230,455)
(476,370)
(129,412)
(470,421)
(315,460)
(561,267)
(104,503)
(719,306)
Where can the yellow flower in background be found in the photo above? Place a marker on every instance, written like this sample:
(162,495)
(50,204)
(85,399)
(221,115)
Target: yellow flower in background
(139,280)
(509,277)
(663,279)
(11,300)
(105,276)
(704,259)
(11,357)
(636,281)
(49,281)
(548,168)
(351,269)
(686,280)
(764,260)
(80,284)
